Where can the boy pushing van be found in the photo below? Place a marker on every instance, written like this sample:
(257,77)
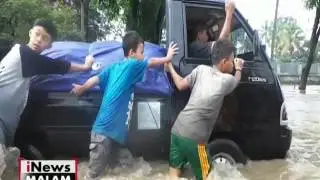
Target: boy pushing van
(192,129)
(117,83)
(16,69)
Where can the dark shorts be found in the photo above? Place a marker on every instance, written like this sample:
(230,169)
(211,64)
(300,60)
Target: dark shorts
(184,150)
(102,153)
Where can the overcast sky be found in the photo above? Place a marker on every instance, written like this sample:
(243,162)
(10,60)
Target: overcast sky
(259,11)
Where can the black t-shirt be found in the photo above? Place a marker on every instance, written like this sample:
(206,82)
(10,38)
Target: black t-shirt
(16,69)
(36,64)
(199,50)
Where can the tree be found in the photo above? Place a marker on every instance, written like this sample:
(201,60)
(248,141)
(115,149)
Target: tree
(91,23)
(114,12)
(17,18)
(289,39)
(144,16)
(311,4)
(67,23)
(304,52)
(147,18)
(84,9)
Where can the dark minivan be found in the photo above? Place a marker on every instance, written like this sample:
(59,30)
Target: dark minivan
(253,120)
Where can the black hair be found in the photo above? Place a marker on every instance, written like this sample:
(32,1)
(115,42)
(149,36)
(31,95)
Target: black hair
(221,49)
(48,25)
(130,41)
(200,28)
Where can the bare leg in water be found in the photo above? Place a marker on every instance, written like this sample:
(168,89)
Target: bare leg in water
(174,174)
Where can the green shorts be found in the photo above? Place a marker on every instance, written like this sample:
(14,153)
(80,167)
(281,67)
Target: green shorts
(183,150)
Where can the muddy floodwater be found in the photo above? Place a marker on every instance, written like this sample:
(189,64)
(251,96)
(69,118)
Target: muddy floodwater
(302,163)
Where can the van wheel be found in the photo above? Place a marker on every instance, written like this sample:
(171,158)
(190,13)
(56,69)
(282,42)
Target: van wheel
(225,151)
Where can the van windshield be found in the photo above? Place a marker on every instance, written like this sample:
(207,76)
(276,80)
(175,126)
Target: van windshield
(241,41)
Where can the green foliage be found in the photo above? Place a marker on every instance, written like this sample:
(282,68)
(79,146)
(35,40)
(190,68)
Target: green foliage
(143,16)
(99,24)
(65,18)
(111,8)
(312,3)
(289,39)
(17,17)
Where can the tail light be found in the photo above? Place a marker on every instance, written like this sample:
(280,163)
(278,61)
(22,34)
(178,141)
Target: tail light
(283,115)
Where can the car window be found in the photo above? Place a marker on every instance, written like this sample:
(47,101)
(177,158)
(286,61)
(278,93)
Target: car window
(149,115)
(241,41)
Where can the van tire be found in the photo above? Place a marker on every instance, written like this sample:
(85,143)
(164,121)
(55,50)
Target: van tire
(227,149)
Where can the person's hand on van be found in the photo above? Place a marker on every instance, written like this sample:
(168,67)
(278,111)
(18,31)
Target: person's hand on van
(87,66)
(90,83)
(77,89)
(89,62)
(230,6)
(172,50)
(238,63)
(157,61)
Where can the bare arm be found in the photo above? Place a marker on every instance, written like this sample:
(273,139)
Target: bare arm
(226,29)
(78,67)
(238,75)
(238,66)
(36,64)
(181,83)
(90,83)
(154,62)
(82,67)
(233,81)
(172,50)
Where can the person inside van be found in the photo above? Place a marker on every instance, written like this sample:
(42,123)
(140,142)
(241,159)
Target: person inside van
(200,47)
(117,83)
(194,124)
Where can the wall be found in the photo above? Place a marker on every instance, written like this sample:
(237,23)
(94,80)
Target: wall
(289,73)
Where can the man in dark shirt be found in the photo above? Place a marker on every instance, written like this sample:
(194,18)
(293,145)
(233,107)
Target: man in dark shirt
(200,47)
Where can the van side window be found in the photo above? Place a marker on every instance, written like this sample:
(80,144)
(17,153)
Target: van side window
(197,39)
(202,28)
(241,41)
(149,114)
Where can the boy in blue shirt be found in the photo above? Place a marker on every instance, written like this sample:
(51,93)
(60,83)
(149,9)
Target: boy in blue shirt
(117,82)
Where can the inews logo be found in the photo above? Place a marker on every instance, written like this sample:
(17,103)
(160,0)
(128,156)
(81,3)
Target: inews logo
(48,169)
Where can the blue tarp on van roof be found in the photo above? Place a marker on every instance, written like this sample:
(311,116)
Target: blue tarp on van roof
(155,81)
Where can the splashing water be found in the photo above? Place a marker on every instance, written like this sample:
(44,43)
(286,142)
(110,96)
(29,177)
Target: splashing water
(302,163)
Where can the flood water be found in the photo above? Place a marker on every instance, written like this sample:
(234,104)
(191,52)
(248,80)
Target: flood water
(302,163)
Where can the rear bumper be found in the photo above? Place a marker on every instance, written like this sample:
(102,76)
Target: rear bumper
(285,139)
